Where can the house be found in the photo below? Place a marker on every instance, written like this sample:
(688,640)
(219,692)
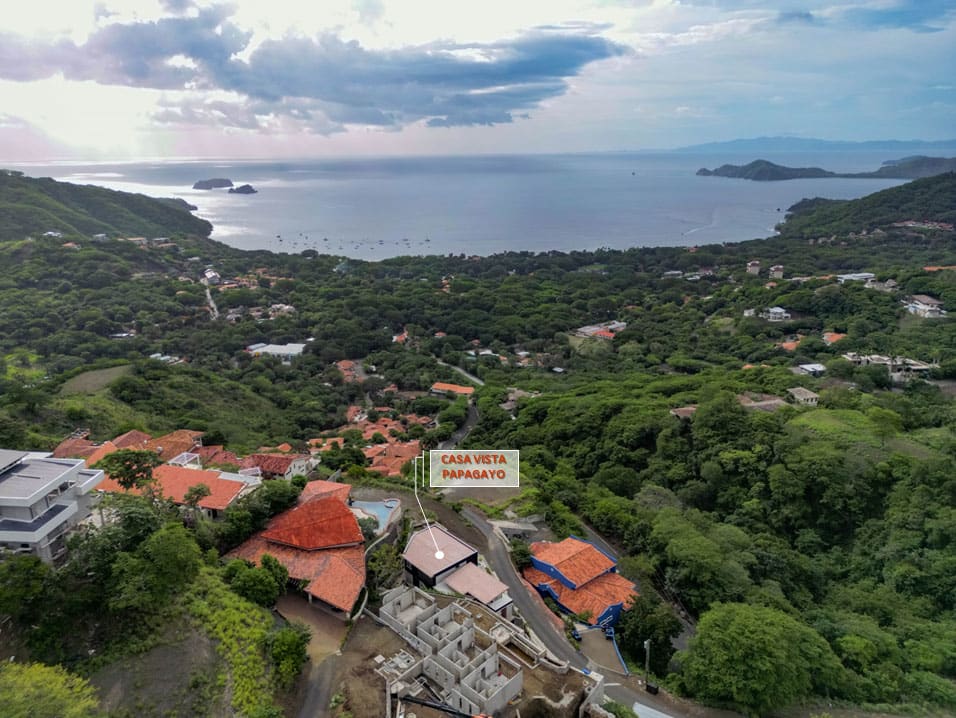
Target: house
(176,481)
(320,489)
(776,271)
(855,277)
(425,565)
(278,466)
(484,587)
(175,443)
(132,440)
(923,305)
(753,266)
(321,545)
(812,369)
(388,459)
(285,352)
(41,499)
(211,276)
(441,388)
(832,337)
(803,396)
(452,652)
(581,579)
(775,314)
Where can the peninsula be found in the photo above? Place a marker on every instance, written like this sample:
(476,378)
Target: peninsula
(915,167)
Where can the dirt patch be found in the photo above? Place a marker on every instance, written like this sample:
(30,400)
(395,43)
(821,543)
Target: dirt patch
(355,678)
(184,677)
(328,631)
(93,381)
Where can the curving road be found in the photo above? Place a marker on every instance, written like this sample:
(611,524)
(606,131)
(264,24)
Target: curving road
(500,561)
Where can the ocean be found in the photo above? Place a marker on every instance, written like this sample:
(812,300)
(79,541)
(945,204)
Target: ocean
(385,207)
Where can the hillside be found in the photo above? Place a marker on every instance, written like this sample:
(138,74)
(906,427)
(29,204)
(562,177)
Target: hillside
(30,205)
(929,199)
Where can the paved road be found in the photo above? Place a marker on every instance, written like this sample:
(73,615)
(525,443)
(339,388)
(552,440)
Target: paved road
(470,421)
(555,641)
(213,309)
(469,377)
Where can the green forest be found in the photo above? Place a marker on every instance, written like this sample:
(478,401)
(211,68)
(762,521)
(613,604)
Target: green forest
(812,547)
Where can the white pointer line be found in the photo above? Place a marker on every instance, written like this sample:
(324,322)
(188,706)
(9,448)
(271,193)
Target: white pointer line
(439,554)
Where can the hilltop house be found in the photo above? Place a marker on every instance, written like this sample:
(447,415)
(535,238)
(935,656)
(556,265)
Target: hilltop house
(321,545)
(775,314)
(278,466)
(441,389)
(923,305)
(41,499)
(581,579)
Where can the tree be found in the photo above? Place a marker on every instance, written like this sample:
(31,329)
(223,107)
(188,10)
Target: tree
(22,583)
(886,423)
(130,468)
(289,652)
(649,618)
(520,554)
(756,659)
(192,497)
(34,690)
(279,572)
(256,585)
(369,526)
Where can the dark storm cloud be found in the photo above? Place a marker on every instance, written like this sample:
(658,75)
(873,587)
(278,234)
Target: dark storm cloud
(324,80)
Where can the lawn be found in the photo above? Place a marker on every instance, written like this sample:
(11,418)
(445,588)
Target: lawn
(93,381)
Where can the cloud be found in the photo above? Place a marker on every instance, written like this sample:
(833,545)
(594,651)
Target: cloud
(323,82)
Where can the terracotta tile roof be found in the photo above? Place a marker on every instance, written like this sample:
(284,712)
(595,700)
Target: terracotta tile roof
(420,551)
(105,449)
(454,388)
(175,481)
(578,561)
(317,445)
(603,334)
(175,443)
(470,580)
(832,337)
(132,440)
(594,597)
(318,489)
(335,576)
(216,454)
(388,459)
(285,447)
(272,463)
(317,524)
(73,448)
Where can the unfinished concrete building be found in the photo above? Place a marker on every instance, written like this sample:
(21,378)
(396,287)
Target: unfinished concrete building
(459,660)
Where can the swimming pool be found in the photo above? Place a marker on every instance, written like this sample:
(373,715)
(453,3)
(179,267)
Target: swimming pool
(381,510)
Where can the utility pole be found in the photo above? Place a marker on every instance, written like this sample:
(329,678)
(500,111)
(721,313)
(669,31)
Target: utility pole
(647,660)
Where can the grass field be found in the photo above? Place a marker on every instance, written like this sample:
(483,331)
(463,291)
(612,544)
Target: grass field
(849,427)
(93,381)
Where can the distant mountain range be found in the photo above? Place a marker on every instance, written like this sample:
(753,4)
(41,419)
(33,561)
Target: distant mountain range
(758,145)
(914,167)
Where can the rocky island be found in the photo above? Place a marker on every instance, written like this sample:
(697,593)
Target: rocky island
(243,189)
(764,171)
(214,183)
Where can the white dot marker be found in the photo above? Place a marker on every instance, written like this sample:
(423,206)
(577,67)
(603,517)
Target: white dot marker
(439,555)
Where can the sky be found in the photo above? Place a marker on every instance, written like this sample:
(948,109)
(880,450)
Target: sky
(132,79)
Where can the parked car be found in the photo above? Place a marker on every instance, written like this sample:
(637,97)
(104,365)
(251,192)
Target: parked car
(575,634)
(609,633)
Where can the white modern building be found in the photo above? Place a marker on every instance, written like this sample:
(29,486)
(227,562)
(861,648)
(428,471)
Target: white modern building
(775,314)
(41,499)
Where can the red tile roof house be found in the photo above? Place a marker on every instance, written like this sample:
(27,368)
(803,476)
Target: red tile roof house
(175,481)
(279,466)
(441,388)
(320,543)
(581,579)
